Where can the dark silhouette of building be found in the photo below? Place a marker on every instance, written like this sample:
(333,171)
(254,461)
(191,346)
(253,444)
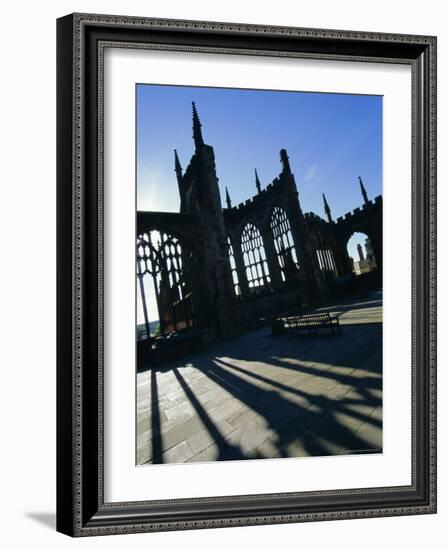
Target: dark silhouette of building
(219,269)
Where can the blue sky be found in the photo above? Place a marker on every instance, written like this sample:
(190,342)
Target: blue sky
(331,139)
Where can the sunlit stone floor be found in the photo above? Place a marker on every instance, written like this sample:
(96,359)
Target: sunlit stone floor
(262,397)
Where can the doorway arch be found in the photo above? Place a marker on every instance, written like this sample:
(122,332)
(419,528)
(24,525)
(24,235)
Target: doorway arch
(360,252)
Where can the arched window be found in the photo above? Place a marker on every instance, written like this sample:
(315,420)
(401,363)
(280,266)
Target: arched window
(283,242)
(165,272)
(236,282)
(254,256)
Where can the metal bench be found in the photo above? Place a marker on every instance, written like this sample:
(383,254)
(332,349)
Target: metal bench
(313,323)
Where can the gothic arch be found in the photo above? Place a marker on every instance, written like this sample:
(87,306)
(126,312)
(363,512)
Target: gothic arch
(361,253)
(254,258)
(168,268)
(185,227)
(283,242)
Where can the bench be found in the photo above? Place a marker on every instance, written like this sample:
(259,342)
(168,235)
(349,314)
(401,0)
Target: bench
(312,323)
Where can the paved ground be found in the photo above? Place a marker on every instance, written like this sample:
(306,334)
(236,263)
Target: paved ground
(263,397)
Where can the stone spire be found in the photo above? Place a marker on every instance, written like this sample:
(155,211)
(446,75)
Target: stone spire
(257,182)
(228,201)
(177,167)
(363,191)
(285,161)
(197,132)
(327,209)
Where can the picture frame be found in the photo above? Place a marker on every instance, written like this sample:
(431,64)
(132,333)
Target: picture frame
(81,506)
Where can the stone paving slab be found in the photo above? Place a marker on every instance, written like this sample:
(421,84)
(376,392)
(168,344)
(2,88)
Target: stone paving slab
(262,397)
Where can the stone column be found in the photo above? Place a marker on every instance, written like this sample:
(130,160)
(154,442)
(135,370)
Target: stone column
(272,259)
(377,247)
(240,268)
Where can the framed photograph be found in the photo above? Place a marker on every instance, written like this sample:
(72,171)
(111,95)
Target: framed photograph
(246,274)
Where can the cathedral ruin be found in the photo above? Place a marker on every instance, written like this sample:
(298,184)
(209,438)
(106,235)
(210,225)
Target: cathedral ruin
(218,270)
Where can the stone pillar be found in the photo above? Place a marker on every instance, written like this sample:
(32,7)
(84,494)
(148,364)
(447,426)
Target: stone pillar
(341,257)
(240,268)
(377,247)
(272,259)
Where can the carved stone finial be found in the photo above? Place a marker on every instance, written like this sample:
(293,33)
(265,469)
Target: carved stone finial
(177,167)
(285,161)
(363,191)
(327,209)
(228,201)
(197,132)
(257,182)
